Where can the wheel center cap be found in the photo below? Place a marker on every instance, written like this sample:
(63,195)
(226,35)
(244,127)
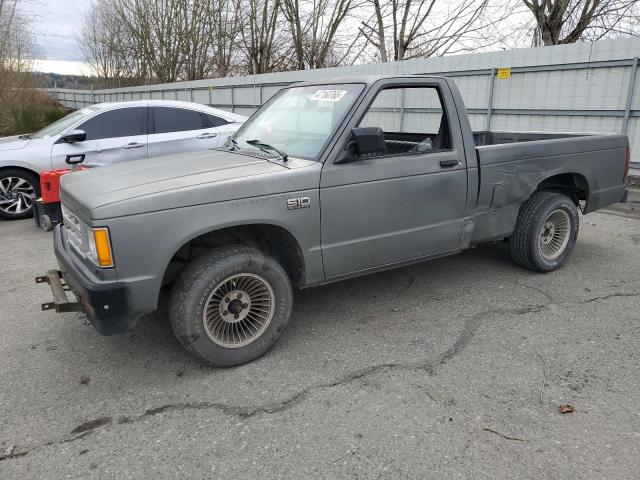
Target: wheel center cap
(235,306)
(547,233)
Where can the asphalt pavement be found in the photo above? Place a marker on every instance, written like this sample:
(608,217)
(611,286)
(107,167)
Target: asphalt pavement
(455,368)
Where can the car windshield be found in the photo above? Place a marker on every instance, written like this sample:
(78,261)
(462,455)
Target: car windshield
(56,128)
(298,121)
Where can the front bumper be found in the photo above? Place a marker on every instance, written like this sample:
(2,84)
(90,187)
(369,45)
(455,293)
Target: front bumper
(625,196)
(104,303)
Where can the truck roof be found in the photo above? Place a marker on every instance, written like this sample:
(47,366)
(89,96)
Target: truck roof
(366,79)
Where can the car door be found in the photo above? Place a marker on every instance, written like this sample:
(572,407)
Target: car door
(112,136)
(409,201)
(176,130)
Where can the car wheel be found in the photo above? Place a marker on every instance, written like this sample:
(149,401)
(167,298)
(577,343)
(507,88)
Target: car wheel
(546,232)
(18,192)
(230,305)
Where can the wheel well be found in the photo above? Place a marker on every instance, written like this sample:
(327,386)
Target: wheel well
(574,185)
(273,240)
(23,169)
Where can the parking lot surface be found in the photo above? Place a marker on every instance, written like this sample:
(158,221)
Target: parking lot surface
(450,369)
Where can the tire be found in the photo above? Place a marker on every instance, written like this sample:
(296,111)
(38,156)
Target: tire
(45,223)
(546,232)
(18,191)
(230,305)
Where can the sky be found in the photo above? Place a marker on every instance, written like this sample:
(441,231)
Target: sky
(57,25)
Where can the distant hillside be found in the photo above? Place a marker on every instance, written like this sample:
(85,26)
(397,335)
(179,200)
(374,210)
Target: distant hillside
(55,80)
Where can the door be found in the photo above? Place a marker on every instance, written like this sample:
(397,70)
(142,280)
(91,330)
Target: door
(113,136)
(406,203)
(177,130)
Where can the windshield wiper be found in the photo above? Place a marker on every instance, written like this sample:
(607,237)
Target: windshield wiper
(259,144)
(26,136)
(234,143)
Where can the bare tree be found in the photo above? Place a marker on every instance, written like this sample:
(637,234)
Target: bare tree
(403,29)
(224,19)
(17,49)
(137,41)
(315,26)
(261,38)
(106,44)
(567,21)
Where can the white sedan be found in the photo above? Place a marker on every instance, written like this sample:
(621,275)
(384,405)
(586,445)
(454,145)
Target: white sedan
(106,133)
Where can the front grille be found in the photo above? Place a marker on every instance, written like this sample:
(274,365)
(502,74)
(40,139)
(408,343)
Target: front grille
(72,229)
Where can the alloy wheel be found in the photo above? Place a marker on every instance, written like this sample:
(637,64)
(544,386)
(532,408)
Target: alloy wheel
(16,195)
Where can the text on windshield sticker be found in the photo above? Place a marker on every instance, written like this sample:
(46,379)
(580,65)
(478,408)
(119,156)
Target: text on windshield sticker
(329,95)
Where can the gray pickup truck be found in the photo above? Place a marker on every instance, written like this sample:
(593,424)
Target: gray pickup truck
(326,181)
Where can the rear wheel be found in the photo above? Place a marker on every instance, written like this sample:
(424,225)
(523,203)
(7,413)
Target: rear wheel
(230,305)
(545,232)
(18,192)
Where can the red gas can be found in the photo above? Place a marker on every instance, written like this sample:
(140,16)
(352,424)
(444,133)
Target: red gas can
(50,184)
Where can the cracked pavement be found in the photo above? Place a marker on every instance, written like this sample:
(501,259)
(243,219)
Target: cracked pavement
(452,368)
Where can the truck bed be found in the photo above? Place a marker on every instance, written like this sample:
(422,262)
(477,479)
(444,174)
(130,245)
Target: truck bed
(512,165)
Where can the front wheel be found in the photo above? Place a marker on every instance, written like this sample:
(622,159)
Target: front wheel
(230,305)
(18,192)
(546,232)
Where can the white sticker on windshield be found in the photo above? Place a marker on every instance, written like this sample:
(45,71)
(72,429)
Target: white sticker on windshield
(329,95)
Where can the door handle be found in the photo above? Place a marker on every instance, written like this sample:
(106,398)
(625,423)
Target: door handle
(207,135)
(450,163)
(131,145)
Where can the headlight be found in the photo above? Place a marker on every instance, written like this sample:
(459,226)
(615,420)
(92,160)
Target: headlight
(91,243)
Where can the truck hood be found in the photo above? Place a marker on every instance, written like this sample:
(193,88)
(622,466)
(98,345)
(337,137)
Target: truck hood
(161,183)
(13,143)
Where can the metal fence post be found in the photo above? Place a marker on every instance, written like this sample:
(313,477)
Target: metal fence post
(402,110)
(632,83)
(210,95)
(233,107)
(487,124)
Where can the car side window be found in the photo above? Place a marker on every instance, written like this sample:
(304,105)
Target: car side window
(121,122)
(412,118)
(214,121)
(169,119)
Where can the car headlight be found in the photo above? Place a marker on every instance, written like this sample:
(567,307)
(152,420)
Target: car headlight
(91,243)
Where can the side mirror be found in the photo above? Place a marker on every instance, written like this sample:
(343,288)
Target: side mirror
(74,136)
(369,141)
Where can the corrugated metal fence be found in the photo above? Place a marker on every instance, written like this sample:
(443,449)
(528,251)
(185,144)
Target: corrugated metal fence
(587,87)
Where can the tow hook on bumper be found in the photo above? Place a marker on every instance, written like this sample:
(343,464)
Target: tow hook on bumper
(60,301)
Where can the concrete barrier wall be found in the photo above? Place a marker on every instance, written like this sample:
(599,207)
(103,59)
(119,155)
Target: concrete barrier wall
(584,87)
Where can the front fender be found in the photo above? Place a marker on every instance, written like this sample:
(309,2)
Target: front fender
(144,244)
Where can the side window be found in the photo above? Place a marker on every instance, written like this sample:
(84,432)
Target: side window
(168,119)
(122,122)
(412,119)
(214,121)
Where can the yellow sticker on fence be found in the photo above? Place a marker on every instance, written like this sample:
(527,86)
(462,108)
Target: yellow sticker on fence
(504,73)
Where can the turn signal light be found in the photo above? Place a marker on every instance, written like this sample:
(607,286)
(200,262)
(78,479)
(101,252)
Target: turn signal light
(103,247)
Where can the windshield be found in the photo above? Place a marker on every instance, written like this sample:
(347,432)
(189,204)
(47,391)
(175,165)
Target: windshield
(56,128)
(298,121)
